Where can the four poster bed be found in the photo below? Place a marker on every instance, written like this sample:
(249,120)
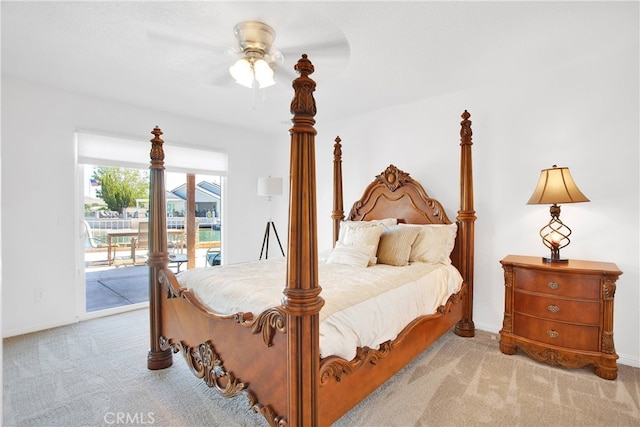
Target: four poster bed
(278,356)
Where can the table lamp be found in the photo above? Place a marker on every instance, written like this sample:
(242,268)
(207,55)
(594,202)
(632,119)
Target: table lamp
(555,186)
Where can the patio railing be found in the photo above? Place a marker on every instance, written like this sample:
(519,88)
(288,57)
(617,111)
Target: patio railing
(208,228)
(172,222)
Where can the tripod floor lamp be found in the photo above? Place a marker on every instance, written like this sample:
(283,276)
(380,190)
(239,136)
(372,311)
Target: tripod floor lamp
(268,186)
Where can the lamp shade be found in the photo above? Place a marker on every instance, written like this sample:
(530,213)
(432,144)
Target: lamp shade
(247,70)
(269,186)
(556,186)
(242,72)
(263,73)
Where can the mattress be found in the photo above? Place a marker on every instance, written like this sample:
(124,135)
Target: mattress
(364,307)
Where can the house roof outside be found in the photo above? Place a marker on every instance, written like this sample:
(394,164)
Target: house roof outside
(211,187)
(203,192)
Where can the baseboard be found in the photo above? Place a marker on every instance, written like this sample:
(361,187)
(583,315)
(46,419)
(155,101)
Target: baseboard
(87,316)
(114,310)
(37,328)
(625,359)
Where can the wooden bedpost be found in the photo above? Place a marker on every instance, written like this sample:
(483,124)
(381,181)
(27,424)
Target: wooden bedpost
(466,218)
(158,255)
(302,301)
(338,211)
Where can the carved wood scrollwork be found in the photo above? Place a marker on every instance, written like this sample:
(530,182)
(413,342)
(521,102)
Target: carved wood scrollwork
(355,208)
(336,367)
(157,153)
(392,178)
(172,291)
(436,207)
(508,276)
(608,288)
(206,364)
(507,323)
(607,343)
(267,413)
(268,322)
(454,299)
(465,129)
(543,354)
(303,102)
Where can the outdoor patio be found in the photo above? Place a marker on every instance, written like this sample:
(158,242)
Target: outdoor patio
(115,287)
(122,283)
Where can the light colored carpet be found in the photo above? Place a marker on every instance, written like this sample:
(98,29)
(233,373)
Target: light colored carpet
(93,372)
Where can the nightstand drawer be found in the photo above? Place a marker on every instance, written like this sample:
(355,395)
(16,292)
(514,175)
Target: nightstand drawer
(557,333)
(558,284)
(567,310)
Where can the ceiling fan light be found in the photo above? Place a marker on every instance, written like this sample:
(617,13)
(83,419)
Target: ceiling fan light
(263,73)
(266,82)
(242,73)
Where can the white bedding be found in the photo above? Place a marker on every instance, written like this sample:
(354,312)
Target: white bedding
(363,306)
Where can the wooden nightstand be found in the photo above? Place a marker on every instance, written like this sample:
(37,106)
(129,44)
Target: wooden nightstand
(560,313)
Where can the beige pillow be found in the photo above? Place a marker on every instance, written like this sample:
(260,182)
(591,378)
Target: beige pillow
(351,255)
(395,244)
(434,243)
(357,233)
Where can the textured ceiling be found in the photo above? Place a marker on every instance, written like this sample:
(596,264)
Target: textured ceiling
(174,56)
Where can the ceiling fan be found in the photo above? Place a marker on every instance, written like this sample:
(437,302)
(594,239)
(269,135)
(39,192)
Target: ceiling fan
(209,55)
(258,60)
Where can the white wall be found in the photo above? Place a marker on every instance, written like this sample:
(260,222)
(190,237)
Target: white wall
(40,218)
(582,115)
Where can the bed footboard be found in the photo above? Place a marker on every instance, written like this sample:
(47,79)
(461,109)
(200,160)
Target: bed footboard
(237,354)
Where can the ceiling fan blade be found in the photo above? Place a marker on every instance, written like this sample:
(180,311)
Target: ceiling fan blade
(221,78)
(171,39)
(335,48)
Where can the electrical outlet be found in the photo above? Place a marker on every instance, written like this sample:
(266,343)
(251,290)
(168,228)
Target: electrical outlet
(39,295)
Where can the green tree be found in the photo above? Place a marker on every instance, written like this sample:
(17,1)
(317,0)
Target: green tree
(120,187)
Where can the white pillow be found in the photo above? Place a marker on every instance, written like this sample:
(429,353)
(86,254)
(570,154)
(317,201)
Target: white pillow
(395,244)
(356,255)
(434,243)
(349,224)
(361,233)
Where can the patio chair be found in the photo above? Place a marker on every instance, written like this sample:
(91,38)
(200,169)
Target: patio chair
(175,240)
(141,241)
(95,242)
(213,256)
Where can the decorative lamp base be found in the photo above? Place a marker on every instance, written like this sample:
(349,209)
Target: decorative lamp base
(554,260)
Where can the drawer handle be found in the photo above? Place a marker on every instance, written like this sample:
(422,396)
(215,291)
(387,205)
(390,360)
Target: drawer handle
(552,333)
(553,308)
(553,285)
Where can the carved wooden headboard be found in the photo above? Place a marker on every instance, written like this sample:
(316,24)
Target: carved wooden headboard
(394,194)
